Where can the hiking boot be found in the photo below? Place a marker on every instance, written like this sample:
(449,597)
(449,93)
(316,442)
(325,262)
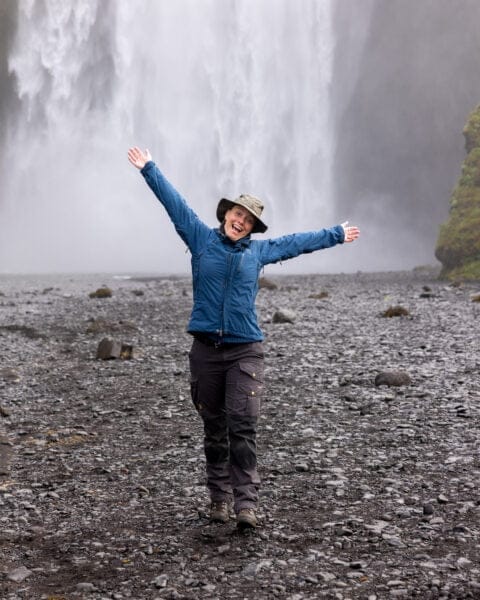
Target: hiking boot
(219,512)
(246,519)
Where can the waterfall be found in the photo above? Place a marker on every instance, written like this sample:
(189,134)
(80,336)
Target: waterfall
(229,96)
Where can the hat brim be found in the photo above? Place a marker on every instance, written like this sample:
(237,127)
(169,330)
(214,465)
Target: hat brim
(225,204)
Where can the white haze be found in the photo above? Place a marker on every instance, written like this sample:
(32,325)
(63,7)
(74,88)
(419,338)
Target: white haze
(229,96)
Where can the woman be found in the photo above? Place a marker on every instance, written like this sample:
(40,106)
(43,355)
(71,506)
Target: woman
(226,359)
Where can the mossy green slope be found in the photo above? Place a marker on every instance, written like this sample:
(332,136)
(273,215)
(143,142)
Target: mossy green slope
(458,244)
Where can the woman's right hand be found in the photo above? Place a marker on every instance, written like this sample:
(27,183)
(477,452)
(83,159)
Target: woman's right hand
(138,157)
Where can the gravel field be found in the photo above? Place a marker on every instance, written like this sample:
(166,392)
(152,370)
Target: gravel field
(369,491)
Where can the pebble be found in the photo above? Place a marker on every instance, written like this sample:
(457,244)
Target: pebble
(85,587)
(19,575)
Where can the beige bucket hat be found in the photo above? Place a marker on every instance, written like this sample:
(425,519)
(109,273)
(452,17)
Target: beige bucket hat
(252,204)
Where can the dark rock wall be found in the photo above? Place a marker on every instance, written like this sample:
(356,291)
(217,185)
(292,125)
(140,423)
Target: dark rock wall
(405,79)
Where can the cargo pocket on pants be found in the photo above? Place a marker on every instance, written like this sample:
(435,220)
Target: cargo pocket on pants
(249,389)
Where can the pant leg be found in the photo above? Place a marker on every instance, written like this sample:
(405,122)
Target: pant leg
(208,395)
(244,387)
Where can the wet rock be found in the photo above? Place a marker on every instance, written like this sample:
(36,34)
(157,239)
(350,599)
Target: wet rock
(19,575)
(428,509)
(319,295)
(395,311)
(393,379)
(86,586)
(5,455)
(4,412)
(101,292)
(160,581)
(266,284)
(109,349)
(9,374)
(284,315)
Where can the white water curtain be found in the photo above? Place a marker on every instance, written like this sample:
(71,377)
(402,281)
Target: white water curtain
(230,96)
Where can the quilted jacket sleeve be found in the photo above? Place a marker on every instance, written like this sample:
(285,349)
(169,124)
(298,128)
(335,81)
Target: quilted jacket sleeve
(292,245)
(188,225)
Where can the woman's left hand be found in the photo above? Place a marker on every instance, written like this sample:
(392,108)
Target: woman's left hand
(351,232)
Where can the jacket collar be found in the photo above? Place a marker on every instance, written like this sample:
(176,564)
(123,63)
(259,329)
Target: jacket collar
(240,244)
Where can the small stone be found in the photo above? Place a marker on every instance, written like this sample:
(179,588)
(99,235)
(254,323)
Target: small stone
(108,349)
(327,576)
(357,565)
(428,509)
(86,587)
(308,433)
(9,374)
(266,284)
(301,467)
(253,569)
(284,316)
(395,311)
(160,581)
(442,499)
(19,575)
(393,378)
(102,292)
(4,412)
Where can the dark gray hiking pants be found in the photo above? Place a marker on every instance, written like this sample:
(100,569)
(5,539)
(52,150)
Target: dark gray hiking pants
(226,386)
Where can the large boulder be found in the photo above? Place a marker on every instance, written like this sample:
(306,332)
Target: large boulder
(458,244)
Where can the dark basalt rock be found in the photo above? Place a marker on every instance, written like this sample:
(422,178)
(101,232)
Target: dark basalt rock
(393,378)
(266,284)
(395,311)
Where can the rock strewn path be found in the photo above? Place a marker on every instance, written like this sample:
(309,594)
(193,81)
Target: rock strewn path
(368,492)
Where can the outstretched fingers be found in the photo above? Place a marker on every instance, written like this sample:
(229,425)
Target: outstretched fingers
(138,157)
(351,233)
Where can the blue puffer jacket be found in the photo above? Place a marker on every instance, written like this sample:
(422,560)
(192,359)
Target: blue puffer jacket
(225,273)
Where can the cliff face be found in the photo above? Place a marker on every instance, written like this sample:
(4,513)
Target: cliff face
(458,245)
(403,87)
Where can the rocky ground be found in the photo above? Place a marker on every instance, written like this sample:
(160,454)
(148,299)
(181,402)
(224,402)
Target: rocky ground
(368,491)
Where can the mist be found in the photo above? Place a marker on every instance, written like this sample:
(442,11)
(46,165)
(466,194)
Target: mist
(325,110)
(405,82)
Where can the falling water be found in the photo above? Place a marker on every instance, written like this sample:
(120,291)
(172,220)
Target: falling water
(229,97)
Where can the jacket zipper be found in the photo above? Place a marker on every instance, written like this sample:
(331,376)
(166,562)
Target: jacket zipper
(225,288)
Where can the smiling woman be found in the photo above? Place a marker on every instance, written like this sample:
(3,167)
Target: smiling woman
(238,223)
(226,359)
(241,217)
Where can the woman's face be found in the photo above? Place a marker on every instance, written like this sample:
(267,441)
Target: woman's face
(239,222)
